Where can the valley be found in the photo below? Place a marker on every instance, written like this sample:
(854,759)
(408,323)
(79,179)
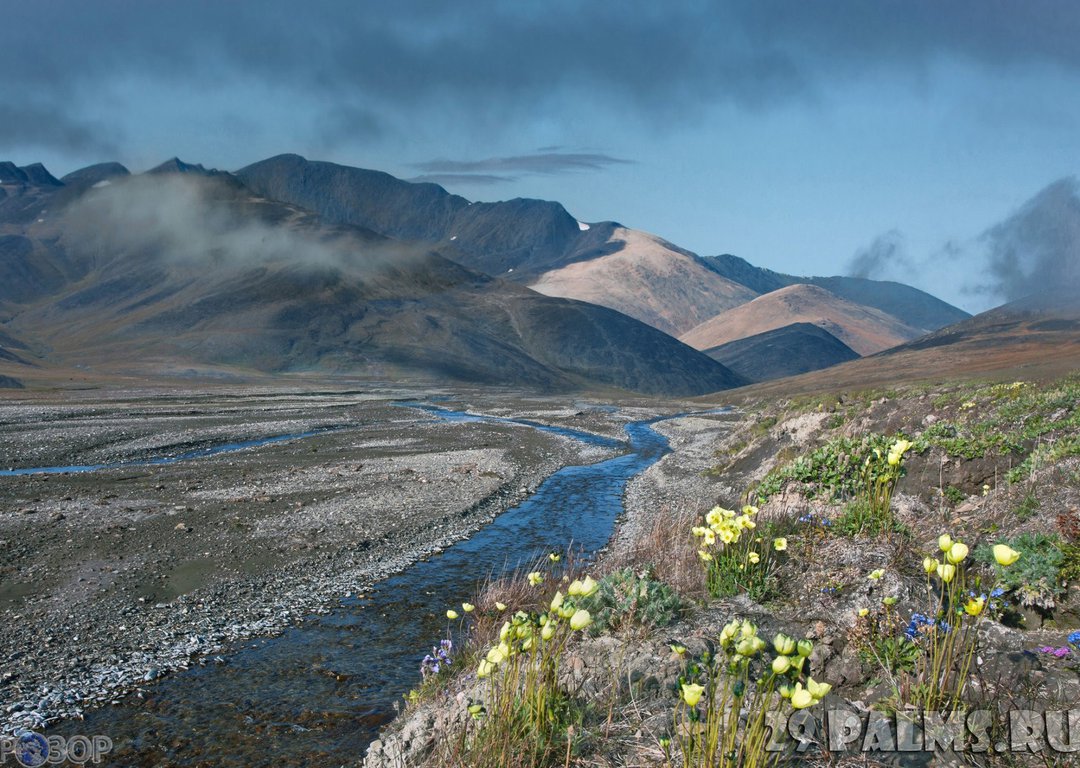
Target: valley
(113,578)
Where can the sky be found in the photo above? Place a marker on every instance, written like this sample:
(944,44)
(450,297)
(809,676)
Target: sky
(930,142)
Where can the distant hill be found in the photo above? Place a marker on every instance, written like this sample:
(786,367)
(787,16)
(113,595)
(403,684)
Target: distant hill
(907,304)
(94,174)
(1036,337)
(787,351)
(649,279)
(156,271)
(863,329)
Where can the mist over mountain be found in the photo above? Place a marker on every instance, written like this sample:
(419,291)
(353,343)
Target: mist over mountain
(187,267)
(539,244)
(524,237)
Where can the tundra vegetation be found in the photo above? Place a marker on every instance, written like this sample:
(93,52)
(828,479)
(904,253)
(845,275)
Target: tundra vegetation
(887,553)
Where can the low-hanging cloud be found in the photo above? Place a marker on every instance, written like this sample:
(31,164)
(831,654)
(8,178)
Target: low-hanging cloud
(1035,251)
(197,224)
(885,257)
(548,162)
(500,170)
(458,179)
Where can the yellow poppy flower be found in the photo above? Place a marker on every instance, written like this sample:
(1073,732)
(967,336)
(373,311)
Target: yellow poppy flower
(1005,555)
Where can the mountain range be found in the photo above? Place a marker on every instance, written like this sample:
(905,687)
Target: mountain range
(297,266)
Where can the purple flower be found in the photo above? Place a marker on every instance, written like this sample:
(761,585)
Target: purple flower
(1056,652)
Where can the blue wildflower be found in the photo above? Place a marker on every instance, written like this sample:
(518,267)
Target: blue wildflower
(1074,638)
(433,662)
(918,621)
(997,592)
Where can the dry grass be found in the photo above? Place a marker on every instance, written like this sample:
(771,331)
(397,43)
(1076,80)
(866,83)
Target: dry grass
(668,551)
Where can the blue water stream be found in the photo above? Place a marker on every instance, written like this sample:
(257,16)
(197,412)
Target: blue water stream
(317,694)
(199,453)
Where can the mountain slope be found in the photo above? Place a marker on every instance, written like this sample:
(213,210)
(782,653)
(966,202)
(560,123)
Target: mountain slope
(1037,337)
(864,329)
(156,272)
(649,279)
(788,351)
(518,236)
(907,304)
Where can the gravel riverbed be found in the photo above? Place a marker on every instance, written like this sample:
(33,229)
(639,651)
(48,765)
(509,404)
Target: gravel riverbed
(112,579)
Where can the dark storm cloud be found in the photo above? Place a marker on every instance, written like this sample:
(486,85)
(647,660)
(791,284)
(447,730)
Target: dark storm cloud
(490,61)
(50,126)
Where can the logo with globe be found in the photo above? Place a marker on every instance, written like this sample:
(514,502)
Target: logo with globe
(32,750)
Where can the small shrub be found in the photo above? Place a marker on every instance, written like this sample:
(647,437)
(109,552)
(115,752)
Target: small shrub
(1034,581)
(954,495)
(1028,506)
(624,598)
(860,518)
(736,559)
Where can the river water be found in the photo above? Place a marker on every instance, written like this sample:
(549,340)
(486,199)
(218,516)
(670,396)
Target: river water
(317,694)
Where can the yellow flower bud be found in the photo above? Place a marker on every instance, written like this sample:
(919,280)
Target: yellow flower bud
(557,601)
(496,654)
(1005,555)
(817,690)
(784,645)
(500,606)
(957,552)
(691,693)
(944,542)
(580,619)
(930,565)
(801,698)
(780,665)
(946,572)
(467,607)
(975,606)
(451,614)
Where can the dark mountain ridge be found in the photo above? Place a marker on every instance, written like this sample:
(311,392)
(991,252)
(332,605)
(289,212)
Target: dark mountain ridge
(522,235)
(788,351)
(184,267)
